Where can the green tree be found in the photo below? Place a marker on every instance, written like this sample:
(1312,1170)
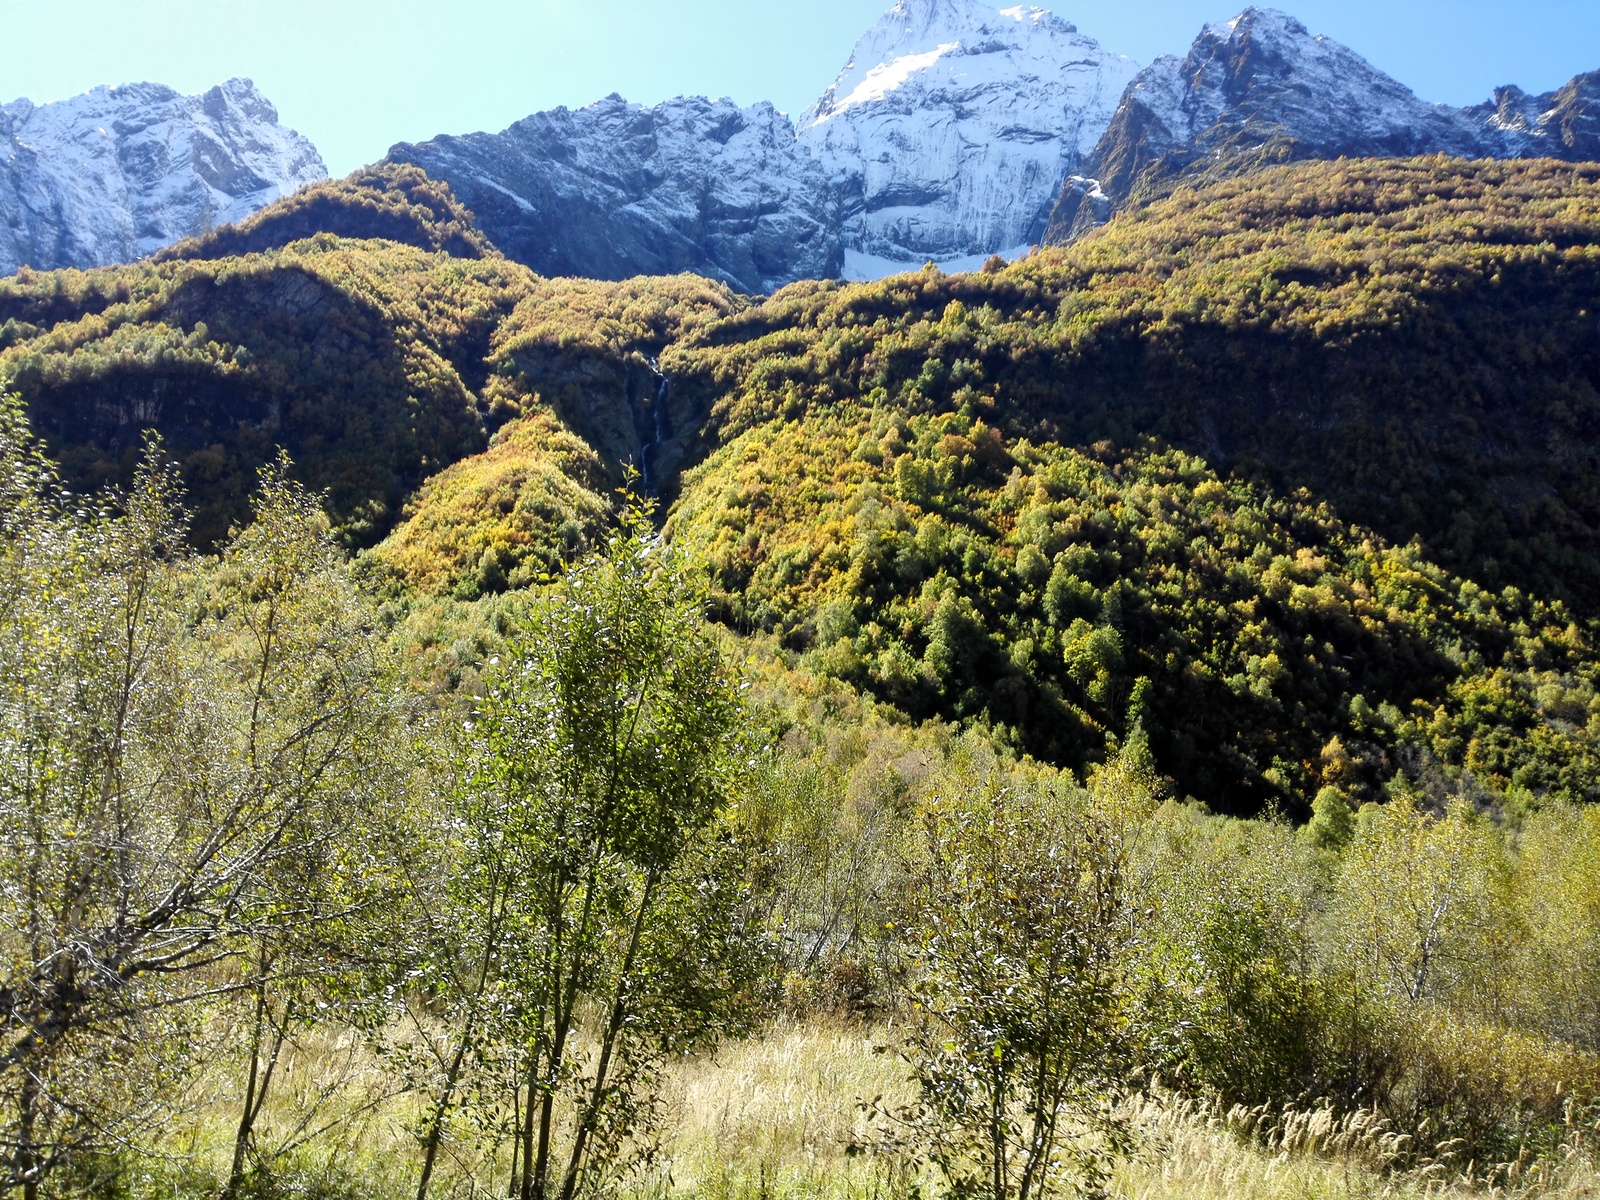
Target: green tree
(1422,902)
(1227,965)
(150,780)
(1026,919)
(1333,823)
(317,721)
(598,874)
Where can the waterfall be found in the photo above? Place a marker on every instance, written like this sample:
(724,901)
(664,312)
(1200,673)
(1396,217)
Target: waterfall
(660,425)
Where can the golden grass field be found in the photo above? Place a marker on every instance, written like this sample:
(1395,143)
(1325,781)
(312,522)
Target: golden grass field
(769,1117)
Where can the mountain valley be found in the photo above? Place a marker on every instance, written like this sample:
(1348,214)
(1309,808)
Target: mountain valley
(1153,480)
(1319,385)
(1060,596)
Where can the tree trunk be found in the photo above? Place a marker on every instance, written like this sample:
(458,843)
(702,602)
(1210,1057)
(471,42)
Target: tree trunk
(436,1128)
(27,1151)
(241,1138)
(453,1073)
(591,1114)
(514,1186)
(524,1138)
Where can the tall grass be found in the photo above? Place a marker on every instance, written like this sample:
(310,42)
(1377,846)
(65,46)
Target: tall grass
(771,1117)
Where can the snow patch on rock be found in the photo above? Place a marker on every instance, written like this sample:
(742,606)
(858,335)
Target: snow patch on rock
(618,189)
(1262,88)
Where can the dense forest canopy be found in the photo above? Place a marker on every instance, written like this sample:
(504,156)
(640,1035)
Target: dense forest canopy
(1294,477)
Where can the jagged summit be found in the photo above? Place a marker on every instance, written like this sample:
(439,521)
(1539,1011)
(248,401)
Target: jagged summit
(1561,124)
(914,37)
(120,172)
(955,131)
(948,132)
(1262,89)
(1263,23)
(1264,74)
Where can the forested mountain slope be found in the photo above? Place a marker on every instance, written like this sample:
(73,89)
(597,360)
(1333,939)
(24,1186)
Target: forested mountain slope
(1294,479)
(374,363)
(994,494)
(362,359)
(1417,342)
(394,203)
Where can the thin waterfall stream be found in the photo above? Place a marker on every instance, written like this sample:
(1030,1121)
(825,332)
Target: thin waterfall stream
(660,425)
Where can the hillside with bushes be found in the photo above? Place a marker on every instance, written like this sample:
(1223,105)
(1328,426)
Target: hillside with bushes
(388,202)
(470,733)
(647,908)
(1295,477)
(374,363)
(1293,481)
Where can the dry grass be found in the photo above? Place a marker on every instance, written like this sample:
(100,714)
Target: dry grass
(769,1118)
(1191,1153)
(333,1126)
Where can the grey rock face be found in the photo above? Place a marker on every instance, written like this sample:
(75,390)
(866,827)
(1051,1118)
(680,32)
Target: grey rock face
(1561,124)
(945,137)
(1262,82)
(616,190)
(1081,207)
(118,173)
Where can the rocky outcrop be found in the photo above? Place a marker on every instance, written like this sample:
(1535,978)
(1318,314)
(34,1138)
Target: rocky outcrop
(1262,89)
(1560,124)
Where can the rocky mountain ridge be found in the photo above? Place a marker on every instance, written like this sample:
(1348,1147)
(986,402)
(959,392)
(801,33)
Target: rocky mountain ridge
(956,131)
(617,189)
(944,137)
(1262,89)
(120,172)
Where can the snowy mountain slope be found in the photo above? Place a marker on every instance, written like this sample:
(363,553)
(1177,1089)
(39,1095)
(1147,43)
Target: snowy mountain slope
(950,130)
(1262,89)
(616,189)
(1560,124)
(1264,78)
(118,173)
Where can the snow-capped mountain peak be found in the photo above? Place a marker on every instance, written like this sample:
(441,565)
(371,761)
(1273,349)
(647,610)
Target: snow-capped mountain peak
(1262,89)
(918,36)
(120,172)
(884,78)
(1268,24)
(1263,78)
(948,132)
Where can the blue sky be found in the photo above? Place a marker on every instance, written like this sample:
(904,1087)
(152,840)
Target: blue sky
(358,75)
